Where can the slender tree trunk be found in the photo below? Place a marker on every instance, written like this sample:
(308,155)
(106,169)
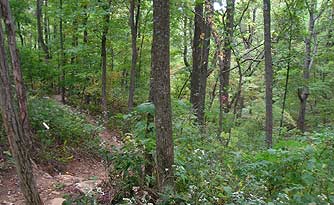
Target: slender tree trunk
(303,92)
(40,29)
(185,41)
(161,94)
(85,22)
(104,63)
(62,54)
(13,127)
(134,20)
(46,24)
(19,85)
(268,72)
(288,68)
(19,31)
(226,64)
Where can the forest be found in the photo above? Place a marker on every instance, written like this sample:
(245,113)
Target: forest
(171,102)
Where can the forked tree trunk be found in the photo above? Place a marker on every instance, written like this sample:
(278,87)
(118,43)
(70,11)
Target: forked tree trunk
(310,52)
(13,127)
(161,94)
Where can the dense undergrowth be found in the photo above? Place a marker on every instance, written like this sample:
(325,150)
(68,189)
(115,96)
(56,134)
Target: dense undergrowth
(297,170)
(59,131)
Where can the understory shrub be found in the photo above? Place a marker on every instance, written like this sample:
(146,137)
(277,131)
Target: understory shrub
(297,170)
(58,128)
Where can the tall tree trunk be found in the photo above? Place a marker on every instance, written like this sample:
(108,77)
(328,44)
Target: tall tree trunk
(161,94)
(226,64)
(304,91)
(204,71)
(197,47)
(19,85)
(288,67)
(62,54)
(310,52)
(134,20)
(13,127)
(19,31)
(268,72)
(104,63)
(46,24)
(201,46)
(40,29)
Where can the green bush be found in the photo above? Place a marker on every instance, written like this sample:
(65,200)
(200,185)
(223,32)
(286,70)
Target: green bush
(57,128)
(298,170)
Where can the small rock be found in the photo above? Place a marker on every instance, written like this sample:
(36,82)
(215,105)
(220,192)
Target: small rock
(87,186)
(68,180)
(47,176)
(56,201)
(55,193)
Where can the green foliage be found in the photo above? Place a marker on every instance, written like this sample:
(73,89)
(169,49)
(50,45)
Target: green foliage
(130,163)
(59,127)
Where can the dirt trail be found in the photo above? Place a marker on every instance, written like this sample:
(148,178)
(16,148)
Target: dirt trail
(82,174)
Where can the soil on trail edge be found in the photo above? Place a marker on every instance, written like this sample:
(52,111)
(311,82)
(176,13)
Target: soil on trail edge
(80,175)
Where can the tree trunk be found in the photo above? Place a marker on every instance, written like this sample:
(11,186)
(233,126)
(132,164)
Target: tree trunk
(19,85)
(19,31)
(85,21)
(304,91)
(40,29)
(62,54)
(104,63)
(134,20)
(161,94)
(268,72)
(197,47)
(13,127)
(226,63)
(288,67)
(201,46)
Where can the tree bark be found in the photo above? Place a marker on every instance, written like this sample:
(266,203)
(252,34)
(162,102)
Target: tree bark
(134,20)
(303,92)
(197,47)
(62,54)
(268,72)
(40,29)
(161,94)
(19,85)
(13,127)
(104,63)
(310,52)
(201,46)
(288,67)
(226,63)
